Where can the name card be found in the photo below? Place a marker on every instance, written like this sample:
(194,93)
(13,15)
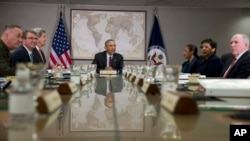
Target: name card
(132,78)
(193,78)
(149,88)
(129,75)
(114,72)
(93,74)
(49,102)
(67,88)
(179,102)
(90,76)
(125,74)
(82,81)
(138,81)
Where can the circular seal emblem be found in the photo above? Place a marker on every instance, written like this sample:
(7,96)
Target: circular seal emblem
(156,56)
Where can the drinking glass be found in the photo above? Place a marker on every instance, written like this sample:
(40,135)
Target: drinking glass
(150,74)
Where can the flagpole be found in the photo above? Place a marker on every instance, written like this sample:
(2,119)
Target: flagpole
(61,7)
(155,11)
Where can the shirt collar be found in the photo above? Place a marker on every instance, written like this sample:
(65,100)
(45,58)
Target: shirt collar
(238,56)
(27,49)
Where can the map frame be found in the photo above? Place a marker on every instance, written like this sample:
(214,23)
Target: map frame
(132,49)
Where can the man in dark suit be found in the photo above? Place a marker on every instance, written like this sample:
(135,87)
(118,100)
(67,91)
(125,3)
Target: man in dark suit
(38,55)
(109,59)
(238,66)
(23,54)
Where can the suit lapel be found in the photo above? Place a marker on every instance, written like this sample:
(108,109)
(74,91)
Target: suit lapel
(44,60)
(235,66)
(104,56)
(114,61)
(26,52)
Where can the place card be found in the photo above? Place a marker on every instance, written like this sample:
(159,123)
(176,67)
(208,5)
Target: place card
(179,102)
(129,75)
(110,72)
(49,102)
(138,81)
(67,88)
(132,78)
(150,88)
(89,77)
(125,74)
(82,81)
(193,78)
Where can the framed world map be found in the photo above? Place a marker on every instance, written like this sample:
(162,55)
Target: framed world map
(91,28)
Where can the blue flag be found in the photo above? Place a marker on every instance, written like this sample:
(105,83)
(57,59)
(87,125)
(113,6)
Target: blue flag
(156,50)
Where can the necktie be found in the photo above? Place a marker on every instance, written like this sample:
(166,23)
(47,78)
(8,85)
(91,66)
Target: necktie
(40,52)
(229,68)
(110,61)
(31,57)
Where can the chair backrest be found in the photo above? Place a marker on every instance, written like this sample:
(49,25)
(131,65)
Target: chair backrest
(226,56)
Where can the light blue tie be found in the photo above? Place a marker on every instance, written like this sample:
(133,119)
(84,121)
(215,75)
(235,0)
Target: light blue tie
(31,57)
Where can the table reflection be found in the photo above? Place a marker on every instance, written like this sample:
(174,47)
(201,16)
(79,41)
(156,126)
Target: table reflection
(133,116)
(125,115)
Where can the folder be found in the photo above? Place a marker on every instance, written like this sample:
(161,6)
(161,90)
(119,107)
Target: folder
(226,87)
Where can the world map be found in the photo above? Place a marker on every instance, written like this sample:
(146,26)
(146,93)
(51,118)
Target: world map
(90,30)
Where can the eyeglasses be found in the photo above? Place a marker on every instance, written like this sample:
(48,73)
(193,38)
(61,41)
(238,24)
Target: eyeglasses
(32,38)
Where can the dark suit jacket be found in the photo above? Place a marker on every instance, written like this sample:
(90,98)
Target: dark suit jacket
(241,69)
(211,67)
(116,85)
(192,67)
(36,56)
(20,55)
(101,61)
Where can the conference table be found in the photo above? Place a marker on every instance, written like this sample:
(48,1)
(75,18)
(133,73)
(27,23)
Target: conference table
(133,116)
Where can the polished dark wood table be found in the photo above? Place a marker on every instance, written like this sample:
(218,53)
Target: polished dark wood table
(132,116)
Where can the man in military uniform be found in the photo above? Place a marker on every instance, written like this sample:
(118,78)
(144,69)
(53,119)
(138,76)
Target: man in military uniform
(10,40)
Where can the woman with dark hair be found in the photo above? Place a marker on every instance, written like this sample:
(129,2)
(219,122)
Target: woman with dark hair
(191,65)
(210,65)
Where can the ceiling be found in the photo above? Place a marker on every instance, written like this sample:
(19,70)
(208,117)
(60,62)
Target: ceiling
(168,3)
